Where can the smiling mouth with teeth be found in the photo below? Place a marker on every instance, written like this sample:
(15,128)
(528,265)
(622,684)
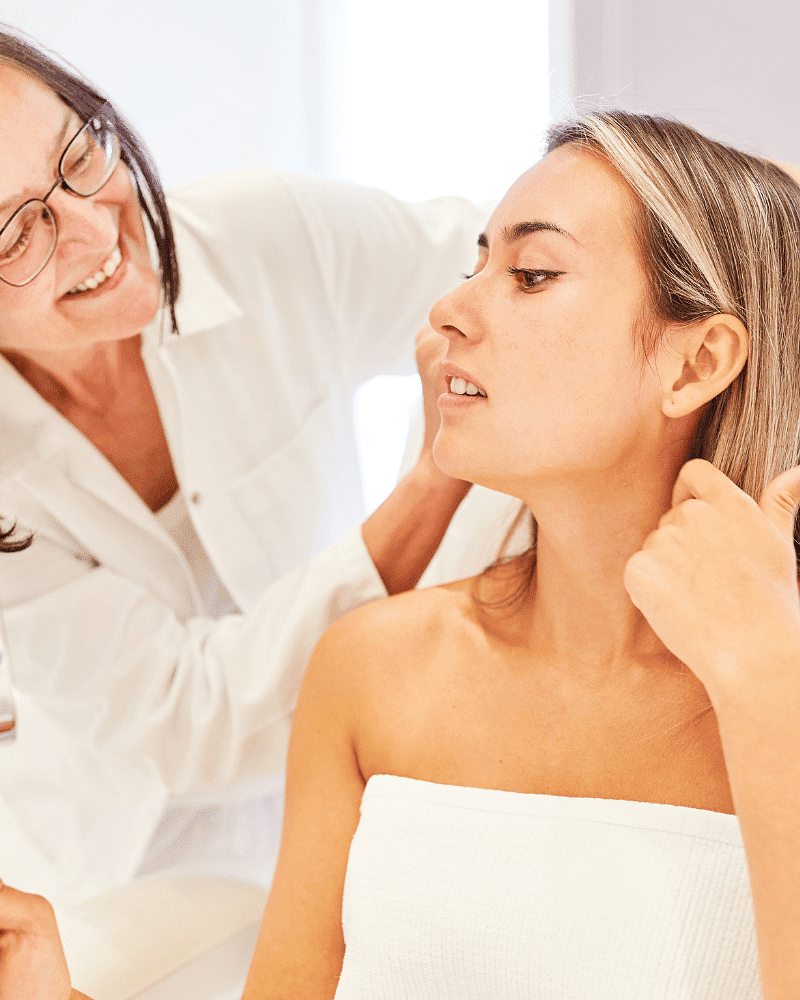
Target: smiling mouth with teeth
(105,272)
(461,387)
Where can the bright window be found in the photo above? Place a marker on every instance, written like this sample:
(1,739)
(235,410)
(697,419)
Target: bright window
(437,97)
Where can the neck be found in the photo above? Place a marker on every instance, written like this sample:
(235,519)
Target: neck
(90,378)
(580,612)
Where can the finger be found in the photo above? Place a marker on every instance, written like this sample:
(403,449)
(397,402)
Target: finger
(21,911)
(430,347)
(685,512)
(701,480)
(780,501)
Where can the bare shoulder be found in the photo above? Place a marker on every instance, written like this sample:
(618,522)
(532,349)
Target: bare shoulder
(401,628)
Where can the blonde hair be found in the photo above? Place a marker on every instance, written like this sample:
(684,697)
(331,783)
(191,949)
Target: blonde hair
(719,232)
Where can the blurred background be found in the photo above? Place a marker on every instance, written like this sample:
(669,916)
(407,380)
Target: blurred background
(425,98)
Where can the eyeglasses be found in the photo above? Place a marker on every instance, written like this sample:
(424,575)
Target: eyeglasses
(28,239)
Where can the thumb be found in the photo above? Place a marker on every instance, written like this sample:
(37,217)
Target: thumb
(781,500)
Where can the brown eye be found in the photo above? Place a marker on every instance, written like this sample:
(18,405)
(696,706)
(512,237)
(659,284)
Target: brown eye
(530,280)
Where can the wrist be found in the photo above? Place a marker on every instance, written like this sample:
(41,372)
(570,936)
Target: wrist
(402,535)
(759,680)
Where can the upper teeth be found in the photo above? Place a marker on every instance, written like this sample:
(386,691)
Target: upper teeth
(106,270)
(460,386)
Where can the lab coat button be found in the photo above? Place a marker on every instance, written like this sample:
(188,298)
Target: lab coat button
(196,497)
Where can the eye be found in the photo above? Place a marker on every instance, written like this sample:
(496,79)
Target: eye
(530,280)
(15,242)
(79,155)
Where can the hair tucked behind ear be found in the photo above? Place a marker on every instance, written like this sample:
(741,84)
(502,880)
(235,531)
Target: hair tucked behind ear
(719,232)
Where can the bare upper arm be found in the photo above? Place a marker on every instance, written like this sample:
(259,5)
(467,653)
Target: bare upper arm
(360,673)
(300,945)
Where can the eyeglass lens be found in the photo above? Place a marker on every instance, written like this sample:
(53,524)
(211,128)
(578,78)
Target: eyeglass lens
(90,158)
(29,237)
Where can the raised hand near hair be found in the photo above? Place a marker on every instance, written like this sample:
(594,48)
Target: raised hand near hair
(32,963)
(717,580)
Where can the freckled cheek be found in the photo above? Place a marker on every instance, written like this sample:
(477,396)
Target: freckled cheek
(548,357)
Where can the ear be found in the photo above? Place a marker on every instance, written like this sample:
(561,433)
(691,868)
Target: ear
(705,358)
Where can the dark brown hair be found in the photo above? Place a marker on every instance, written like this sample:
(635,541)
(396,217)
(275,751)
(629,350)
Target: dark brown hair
(10,544)
(86,100)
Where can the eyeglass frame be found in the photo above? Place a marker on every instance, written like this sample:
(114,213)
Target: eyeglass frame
(62,180)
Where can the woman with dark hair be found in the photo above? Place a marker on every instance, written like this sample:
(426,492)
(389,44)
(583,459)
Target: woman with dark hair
(176,383)
(578,774)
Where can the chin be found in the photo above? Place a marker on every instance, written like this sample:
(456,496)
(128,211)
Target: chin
(137,309)
(457,469)
(449,464)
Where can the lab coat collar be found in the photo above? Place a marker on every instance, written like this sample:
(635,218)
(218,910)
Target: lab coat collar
(203,303)
(133,546)
(54,463)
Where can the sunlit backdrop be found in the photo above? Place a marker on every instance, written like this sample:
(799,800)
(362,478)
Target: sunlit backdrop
(425,98)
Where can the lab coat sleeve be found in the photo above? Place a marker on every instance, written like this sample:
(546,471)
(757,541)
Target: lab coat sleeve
(206,703)
(386,263)
(375,264)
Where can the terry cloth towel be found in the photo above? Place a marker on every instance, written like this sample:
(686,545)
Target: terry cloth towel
(480,894)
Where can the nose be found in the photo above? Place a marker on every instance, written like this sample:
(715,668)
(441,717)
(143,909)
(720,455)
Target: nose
(456,315)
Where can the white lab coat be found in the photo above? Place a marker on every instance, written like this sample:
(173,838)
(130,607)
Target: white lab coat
(294,291)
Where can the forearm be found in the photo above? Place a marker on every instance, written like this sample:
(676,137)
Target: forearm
(761,741)
(403,534)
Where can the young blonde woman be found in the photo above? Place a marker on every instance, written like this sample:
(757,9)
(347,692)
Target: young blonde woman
(550,768)
(564,778)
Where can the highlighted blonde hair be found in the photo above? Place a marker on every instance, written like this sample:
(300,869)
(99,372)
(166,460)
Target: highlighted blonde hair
(719,232)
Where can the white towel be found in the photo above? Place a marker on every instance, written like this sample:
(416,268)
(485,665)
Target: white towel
(479,894)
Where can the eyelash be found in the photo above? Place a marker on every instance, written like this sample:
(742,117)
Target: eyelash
(527,284)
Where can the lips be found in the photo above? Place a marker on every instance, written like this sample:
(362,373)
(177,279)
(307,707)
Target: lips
(106,270)
(460,381)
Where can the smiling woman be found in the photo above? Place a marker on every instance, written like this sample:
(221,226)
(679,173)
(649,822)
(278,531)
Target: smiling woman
(176,386)
(77,310)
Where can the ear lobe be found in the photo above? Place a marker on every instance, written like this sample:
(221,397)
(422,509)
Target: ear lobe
(714,352)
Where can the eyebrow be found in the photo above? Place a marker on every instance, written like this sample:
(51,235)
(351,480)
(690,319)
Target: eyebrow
(512,234)
(19,199)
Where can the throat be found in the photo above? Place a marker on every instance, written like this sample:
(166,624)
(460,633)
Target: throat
(109,399)
(92,378)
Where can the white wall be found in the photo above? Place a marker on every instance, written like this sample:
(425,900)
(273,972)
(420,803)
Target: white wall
(442,96)
(728,67)
(210,84)
(425,98)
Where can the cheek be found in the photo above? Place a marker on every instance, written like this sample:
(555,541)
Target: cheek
(120,192)
(24,312)
(576,399)
(119,187)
